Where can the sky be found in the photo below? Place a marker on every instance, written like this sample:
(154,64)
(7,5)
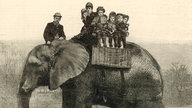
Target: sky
(150,20)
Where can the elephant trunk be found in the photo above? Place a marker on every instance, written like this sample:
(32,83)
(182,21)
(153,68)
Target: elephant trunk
(23,99)
(30,83)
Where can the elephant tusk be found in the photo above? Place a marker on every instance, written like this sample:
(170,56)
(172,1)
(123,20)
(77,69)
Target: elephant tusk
(104,99)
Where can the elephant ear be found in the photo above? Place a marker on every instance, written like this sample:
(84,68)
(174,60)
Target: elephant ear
(71,60)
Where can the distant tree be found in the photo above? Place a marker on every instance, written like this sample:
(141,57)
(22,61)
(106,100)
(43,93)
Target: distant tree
(177,82)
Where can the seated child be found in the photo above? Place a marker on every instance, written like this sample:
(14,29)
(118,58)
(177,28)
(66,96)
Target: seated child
(84,14)
(118,32)
(100,23)
(111,27)
(126,33)
(84,28)
(121,31)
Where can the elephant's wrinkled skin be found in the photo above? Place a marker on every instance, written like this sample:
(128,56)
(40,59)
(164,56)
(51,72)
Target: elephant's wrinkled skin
(84,85)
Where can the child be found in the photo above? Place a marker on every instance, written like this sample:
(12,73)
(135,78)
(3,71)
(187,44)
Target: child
(100,23)
(111,27)
(121,31)
(84,20)
(84,14)
(119,24)
(54,30)
(126,33)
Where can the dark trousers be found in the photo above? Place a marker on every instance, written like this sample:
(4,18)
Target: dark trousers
(115,38)
(121,37)
(119,41)
(101,38)
(110,37)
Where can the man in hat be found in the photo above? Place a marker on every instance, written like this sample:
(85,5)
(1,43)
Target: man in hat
(54,30)
(100,25)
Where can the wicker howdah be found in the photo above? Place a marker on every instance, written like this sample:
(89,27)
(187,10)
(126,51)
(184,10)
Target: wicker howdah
(111,57)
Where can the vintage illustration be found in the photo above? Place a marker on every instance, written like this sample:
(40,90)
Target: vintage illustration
(96,54)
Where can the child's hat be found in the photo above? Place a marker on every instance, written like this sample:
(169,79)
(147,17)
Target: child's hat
(112,14)
(125,16)
(119,14)
(83,10)
(100,8)
(88,4)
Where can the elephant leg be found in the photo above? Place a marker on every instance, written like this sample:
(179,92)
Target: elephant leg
(88,102)
(82,101)
(150,104)
(76,98)
(68,99)
(72,99)
(123,105)
(88,106)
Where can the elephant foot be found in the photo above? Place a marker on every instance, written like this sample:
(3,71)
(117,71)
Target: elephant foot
(150,104)
(126,105)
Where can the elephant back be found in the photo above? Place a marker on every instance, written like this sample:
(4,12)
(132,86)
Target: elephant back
(144,79)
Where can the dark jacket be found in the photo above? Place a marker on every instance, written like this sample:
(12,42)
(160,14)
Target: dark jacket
(100,22)
(122,28)
(88,22)
(127,27)
(90,18)
(111,26)
(51,30)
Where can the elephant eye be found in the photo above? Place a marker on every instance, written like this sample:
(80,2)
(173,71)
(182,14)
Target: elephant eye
(47,58)
(42,68)
(42,57)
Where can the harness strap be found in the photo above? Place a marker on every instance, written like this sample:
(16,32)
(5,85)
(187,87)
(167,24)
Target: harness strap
(123,92)
(123,87)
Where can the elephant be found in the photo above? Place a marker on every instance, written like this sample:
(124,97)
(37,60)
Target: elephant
(67,64)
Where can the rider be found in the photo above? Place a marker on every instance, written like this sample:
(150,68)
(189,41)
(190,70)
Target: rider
(87,16)
(84,29)
(100,24)
(91,15)
(120,29)
(111,28)
(126,28)
(54,30)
